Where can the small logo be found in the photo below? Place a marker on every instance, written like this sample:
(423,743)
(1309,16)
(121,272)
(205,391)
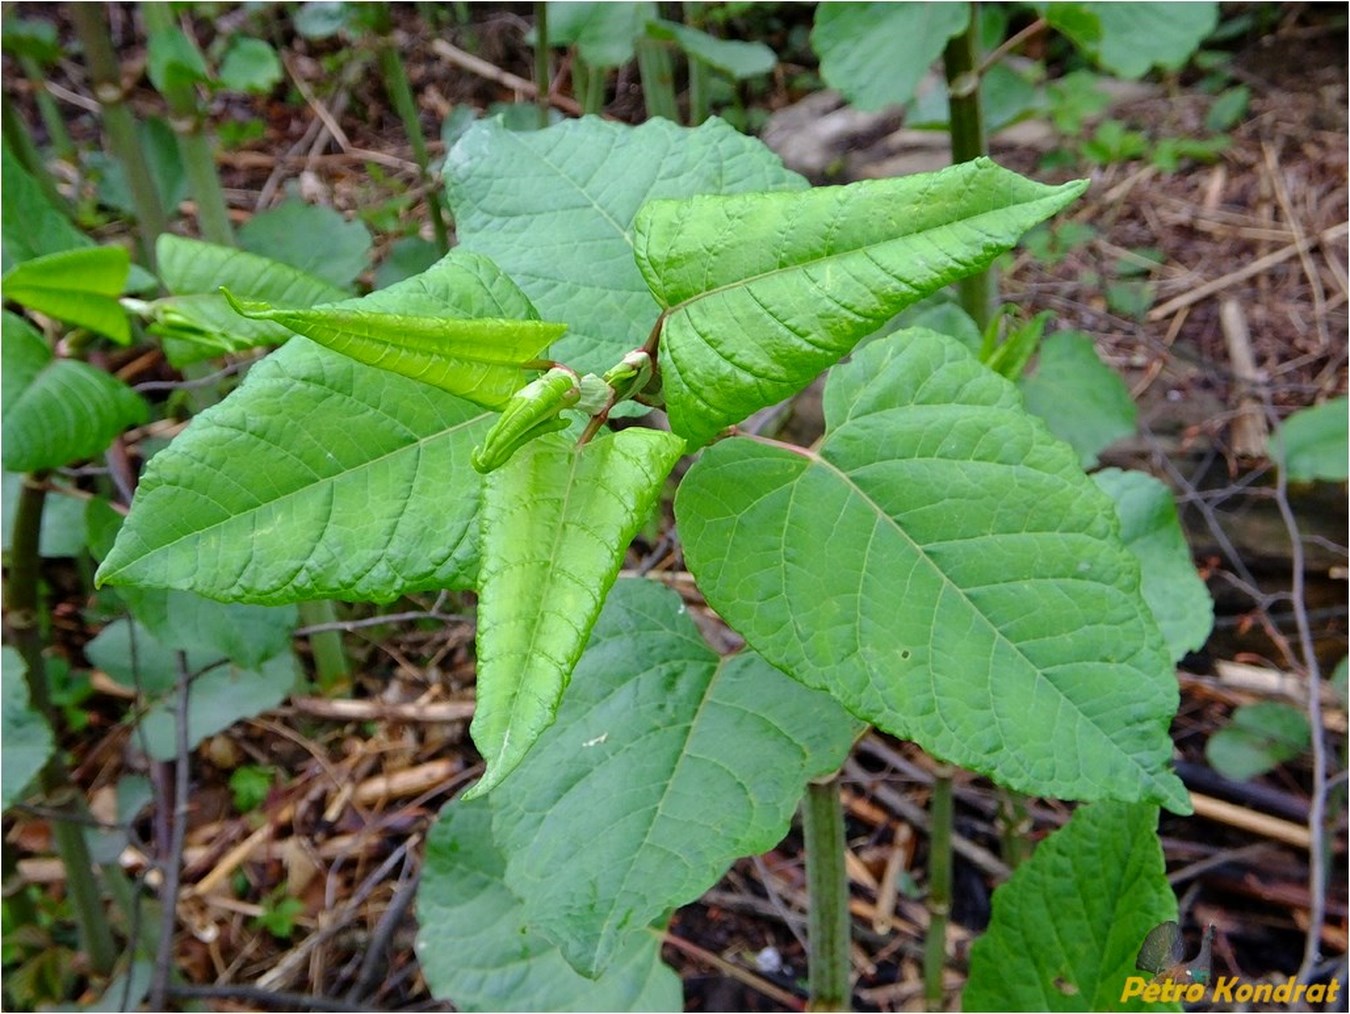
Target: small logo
(1163,954)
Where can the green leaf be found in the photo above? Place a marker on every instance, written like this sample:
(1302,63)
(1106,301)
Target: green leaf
(604,33)
(250,65)
(406,329)
(196,322)
(27,737)
(665,765)
(29,225)
(738,59)
(478,949)
(57,411)
(315,239)
(302,484)
(763,291)
(554,209)
(1067,927)
(1314,443)
(1149,527)
(1138,36)
(173,61)
(556,523)
(945,570)
(1228,109)
(1076,21)
(217,699)
(1082,400)
(1259,737)
(62,520)
(81,286)
(876,53)
(32,38)
(159,144)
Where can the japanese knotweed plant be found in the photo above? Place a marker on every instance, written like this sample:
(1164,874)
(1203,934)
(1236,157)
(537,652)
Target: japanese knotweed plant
(939,566)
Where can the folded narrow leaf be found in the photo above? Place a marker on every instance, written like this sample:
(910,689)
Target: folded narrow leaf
(484,361)
(666,764)
(196,320)
(57,411)
(317,478)
(479,949)
(81,286)
(1072,918)
(763,291)
(1149,527)
(554,208)
(556,523)
(944,568)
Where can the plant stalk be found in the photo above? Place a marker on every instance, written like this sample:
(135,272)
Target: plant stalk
(330,657)
(62,147)
(21,615)
(966,122)
(939,886)
(658,79)
(91,27)
(827,886)
(185,116)
(400,93)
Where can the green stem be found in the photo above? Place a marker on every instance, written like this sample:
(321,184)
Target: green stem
(966,119)
(939,886)
(62,147)
(827,887)
(186,118)
(92,29)
(400,93)
(589,83)
(21,614)
(658,79)
(1014,826)
(542,79)
(22,146)
(330,658)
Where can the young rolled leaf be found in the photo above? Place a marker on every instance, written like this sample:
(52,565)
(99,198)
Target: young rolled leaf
(556,522)
(57,411)
(763,291)
(405,329)
(479,948)
(1071,920)
(666,764)
(946,571)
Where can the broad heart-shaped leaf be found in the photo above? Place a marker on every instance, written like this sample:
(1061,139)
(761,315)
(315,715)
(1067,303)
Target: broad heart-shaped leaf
(483,360)
(478,948)
(1149,527)
(556,522)
(763,291)
(317,478)
(1259,737)
(57,411)
(311,237)
(554,208)
(196,321)
(80,286)
(1067,927)
(943,568)
(877,53)
(666,764)
(1082,400)
(1313,443)
(1137,36)
(27,737)
(603,33)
